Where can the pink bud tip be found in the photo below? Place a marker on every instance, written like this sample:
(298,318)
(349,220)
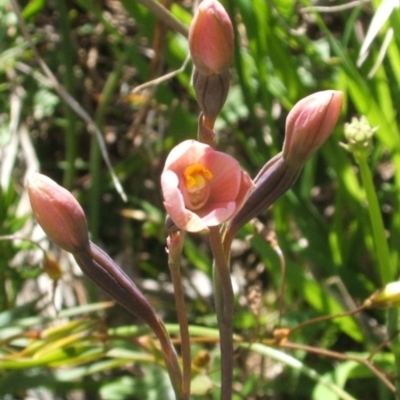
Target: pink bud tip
(211,38)
(309,124)
(58,213)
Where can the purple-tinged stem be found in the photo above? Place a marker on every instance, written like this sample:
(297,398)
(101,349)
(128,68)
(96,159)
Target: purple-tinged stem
(224,302)
(175,245)
(103,271)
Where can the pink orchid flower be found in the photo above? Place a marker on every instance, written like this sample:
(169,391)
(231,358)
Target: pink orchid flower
(202,187)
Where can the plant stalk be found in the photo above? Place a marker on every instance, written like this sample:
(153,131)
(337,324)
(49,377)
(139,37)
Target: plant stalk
(224,302)
(385,269)
(174,263)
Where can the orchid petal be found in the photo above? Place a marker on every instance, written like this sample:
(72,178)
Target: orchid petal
(175,206)
(215,200)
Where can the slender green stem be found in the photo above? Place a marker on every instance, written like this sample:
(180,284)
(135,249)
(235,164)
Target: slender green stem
(174,262)
(224,302)
(383,255)
(382,248)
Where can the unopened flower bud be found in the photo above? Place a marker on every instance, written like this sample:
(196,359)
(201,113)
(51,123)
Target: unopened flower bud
(309,124)
(211,38)
(58,213)
(386,297)
(211,92)
(359,134)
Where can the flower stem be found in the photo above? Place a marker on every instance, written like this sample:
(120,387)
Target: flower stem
(385,268)
(103,271)
(174,263)
(224,302)
(378,230)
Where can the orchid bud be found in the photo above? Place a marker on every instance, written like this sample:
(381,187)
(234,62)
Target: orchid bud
(211,38)
(309,124)
(58,213)
(211,92)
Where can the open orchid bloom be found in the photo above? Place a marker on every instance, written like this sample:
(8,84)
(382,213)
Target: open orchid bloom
(202,187)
